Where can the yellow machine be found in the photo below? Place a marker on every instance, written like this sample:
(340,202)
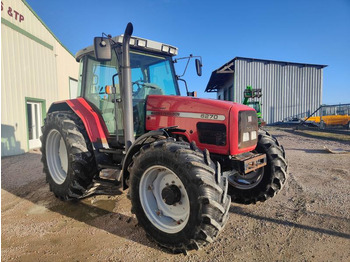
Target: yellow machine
(331,120)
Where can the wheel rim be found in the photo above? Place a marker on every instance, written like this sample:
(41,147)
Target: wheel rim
(169,218)
(247,181)
(56,156)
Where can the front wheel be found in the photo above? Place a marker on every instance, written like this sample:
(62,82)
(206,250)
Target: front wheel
(262,183)
(178,195)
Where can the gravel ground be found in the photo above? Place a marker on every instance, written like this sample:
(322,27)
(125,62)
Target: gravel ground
(308,221)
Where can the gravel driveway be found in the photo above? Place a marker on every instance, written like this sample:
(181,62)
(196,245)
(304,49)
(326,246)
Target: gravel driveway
(308,221)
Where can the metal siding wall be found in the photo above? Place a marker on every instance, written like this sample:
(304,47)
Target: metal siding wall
(28,69)
(288,90)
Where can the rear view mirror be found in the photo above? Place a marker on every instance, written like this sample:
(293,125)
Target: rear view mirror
(198,67)
(103,50)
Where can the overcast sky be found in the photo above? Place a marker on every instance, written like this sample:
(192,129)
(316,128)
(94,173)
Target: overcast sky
(303,31)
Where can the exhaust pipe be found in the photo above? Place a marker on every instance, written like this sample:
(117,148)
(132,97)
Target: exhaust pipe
(128,119)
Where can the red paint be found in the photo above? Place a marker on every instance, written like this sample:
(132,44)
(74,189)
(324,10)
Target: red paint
(93,122)
(167,107)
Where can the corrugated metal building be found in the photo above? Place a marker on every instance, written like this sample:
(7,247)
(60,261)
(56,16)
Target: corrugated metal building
(36,70)
(288,89)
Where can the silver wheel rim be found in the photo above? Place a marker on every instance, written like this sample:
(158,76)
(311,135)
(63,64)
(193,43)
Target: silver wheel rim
(247,181)
(167,218)
(56,156)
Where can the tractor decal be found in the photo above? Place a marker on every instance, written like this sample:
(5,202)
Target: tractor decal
(188,115)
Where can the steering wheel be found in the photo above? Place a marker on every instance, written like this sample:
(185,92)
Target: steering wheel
(142,84)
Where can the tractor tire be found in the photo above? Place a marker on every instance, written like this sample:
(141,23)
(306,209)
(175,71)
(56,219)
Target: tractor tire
(67,156)
(178,195)
(264,183)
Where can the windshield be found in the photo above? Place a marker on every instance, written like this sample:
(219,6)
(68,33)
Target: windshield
(152,75)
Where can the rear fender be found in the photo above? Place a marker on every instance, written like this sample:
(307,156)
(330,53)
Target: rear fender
(93,123)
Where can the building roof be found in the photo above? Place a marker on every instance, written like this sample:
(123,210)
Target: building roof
(220,76)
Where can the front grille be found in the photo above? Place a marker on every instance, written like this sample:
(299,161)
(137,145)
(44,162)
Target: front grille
(213,134)
(247,123)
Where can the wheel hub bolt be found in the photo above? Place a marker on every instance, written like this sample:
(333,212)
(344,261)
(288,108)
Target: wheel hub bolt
(179,221)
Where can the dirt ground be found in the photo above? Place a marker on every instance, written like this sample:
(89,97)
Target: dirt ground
(308,221)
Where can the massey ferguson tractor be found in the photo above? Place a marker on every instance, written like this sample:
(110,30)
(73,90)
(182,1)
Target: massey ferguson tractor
(182,158)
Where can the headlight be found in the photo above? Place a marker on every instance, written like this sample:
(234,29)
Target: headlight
(245,136)
(247,129)
(253,135)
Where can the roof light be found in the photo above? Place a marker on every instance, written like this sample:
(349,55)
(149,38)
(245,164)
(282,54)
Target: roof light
(165,49)
(172,51)
(141,42)
(132,41)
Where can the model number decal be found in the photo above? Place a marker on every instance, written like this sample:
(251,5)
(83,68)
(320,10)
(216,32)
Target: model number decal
(210,116)
(187,115)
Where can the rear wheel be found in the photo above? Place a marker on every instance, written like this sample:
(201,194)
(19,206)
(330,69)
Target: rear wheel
(178,195)
(67,155)
(265,182)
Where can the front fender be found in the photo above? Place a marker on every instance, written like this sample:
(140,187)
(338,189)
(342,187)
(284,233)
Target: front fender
(136,146)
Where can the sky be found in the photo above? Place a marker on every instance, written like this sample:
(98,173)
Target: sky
(303,31)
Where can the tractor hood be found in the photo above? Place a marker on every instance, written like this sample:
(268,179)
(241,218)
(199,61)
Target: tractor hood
(212,124)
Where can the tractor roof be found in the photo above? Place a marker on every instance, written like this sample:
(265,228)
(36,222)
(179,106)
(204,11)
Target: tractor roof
(138,43)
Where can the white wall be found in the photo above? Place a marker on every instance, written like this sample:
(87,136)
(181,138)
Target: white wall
(33,65)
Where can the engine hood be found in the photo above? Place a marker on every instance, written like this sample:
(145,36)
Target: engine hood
(189,104)
(189,112)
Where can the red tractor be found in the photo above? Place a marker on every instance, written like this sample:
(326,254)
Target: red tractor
(182,158)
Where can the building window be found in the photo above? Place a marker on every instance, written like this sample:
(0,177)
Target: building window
(73,88)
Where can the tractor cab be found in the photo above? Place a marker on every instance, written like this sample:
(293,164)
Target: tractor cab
(152,73)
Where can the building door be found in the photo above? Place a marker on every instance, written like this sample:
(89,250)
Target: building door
(34,117)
